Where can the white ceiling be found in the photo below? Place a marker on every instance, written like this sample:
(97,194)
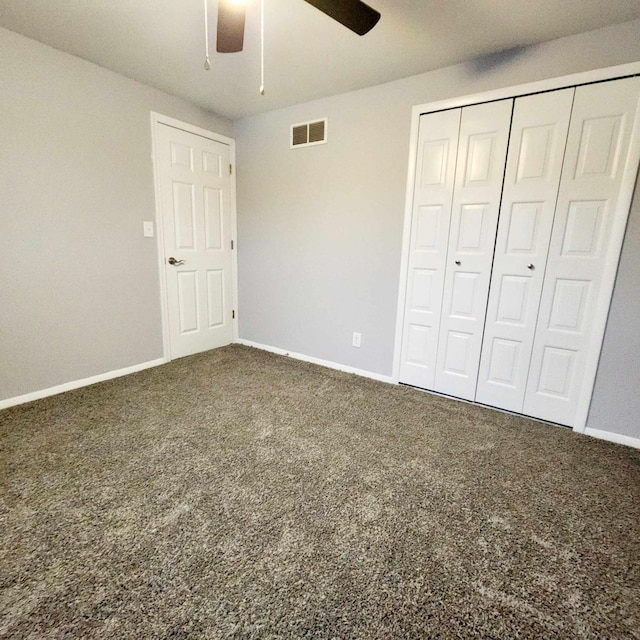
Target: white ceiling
(308,55)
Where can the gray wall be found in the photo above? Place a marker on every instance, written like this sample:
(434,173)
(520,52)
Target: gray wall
(615,404)
(78,282)
(320,228)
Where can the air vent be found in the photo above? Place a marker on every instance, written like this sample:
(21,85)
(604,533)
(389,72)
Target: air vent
(309,133)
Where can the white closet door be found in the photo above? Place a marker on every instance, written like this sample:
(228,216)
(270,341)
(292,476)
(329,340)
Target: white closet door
(482,151)
(581,248)
(534,163)
(435,169)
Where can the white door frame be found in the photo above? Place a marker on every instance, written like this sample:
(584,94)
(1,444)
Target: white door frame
(617,233)
(158,119)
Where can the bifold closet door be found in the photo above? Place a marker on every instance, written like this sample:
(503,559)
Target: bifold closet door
(534,164)
(482,151)
(599,153)
(433,194)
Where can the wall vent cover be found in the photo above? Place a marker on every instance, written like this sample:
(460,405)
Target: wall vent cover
(307,134)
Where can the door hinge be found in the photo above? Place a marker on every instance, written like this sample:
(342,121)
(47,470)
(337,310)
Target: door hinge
(233,314)
(232,245)
(230,169)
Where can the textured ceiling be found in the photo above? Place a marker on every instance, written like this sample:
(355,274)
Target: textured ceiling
(161,42)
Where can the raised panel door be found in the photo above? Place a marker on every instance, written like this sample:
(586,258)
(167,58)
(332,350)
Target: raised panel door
(534,164)
(195,194)
(597,157)
(482,150)
(433,194)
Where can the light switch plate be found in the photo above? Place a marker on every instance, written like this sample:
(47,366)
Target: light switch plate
(147,228)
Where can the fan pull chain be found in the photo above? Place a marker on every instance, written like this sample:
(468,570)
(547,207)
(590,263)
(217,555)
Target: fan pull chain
(207,62)
(261,47)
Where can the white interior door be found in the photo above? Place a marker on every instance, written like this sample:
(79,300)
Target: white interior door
(534,164)
(596,159)
(195,192)
(482,151)
(433,194)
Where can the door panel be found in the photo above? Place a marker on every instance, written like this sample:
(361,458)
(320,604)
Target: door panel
(213,212)
(212,163)
(503,361)
(184,215)
(435,170)
(472,229)
(464,294)
(195,193)
(513,300)
(187,282)
(582,230)
(479,154)
(428,228)
(556,376)
(418,345)
(534,164)
(482,150)
(568,304)
(215,297)
(599,147)
(436,154)
(456,352)
(181,155)
(422,289)
(595,162)
(524,223)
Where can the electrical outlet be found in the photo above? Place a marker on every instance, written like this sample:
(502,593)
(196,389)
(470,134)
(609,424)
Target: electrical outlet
(357,339)
(147,229)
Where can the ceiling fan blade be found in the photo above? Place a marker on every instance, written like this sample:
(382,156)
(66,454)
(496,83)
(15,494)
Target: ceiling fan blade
(230,37)
(353,14)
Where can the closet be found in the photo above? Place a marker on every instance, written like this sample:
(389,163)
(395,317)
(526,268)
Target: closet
(514,205)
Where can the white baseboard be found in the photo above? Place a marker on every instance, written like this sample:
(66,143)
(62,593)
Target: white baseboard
(76,384)
(613,437)
(322,363)
(594,433)
(117,373)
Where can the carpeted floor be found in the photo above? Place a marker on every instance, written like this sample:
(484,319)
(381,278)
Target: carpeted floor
(239,494)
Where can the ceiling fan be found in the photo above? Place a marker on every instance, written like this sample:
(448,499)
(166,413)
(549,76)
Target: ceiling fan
(353,14)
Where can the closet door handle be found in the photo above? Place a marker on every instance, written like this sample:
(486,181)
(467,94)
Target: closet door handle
(530,266)
(458,262)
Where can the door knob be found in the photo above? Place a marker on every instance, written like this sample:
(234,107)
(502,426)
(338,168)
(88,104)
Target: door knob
(175,262)
(458,262)
(530,266)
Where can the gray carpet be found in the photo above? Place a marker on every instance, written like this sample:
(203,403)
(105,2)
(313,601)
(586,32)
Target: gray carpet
(239,494)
